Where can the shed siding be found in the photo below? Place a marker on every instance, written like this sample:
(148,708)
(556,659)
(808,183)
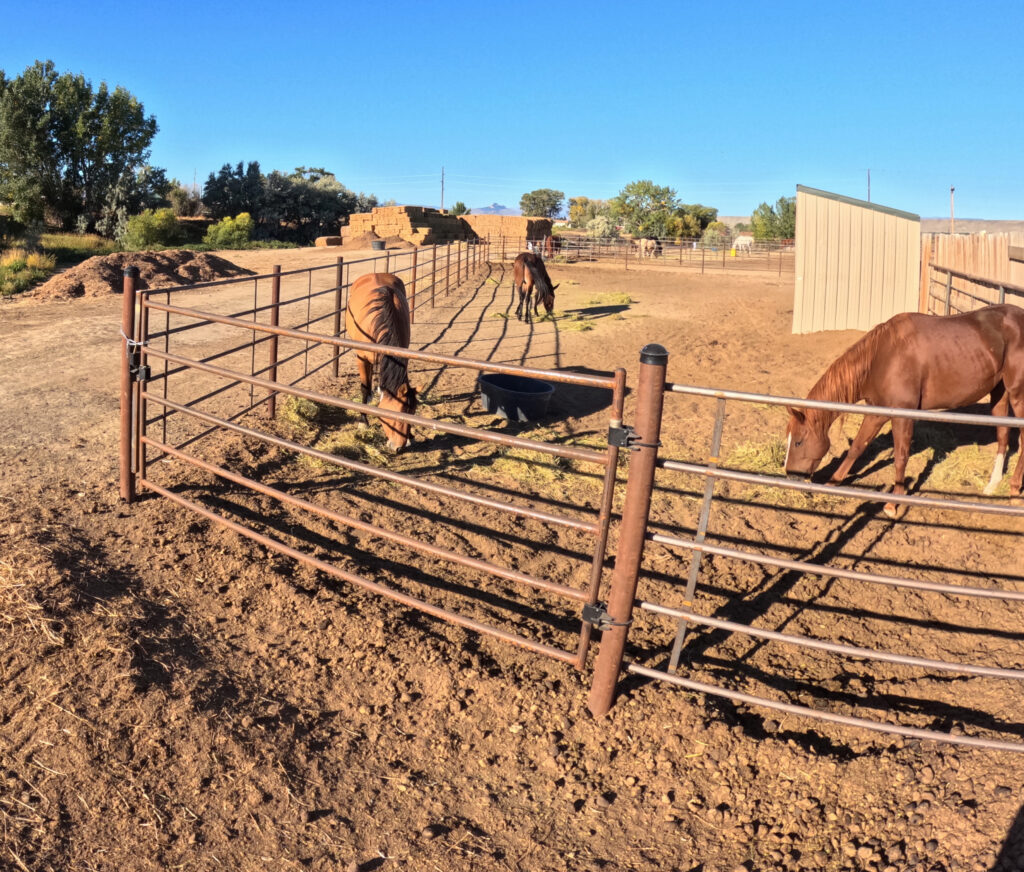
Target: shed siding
(857,264)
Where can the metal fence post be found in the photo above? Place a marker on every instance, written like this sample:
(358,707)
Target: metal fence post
(633,528)
(412,288)
(949,290)
(275,320)
(127,354)
(448,269)
(433,275)
(338,299)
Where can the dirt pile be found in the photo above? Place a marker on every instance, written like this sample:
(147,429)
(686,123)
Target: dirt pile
(104,274)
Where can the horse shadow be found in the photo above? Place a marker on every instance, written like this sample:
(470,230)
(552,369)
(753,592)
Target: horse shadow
(594,312)
(1011,854)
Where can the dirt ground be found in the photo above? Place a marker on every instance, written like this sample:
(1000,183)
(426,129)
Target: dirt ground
(177,697)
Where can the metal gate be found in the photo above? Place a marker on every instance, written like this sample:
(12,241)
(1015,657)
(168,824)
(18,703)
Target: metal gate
(690,619)
(193,372)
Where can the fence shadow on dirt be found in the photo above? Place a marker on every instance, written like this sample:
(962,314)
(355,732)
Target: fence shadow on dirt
(1011,854)
(700,652)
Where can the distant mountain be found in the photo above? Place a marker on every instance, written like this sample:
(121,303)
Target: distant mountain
(970,225)
(495,209)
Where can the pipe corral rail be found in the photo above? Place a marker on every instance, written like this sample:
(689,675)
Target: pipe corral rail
(219,387)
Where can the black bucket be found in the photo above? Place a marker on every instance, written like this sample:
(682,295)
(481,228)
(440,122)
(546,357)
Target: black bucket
(515,397)
(377,245)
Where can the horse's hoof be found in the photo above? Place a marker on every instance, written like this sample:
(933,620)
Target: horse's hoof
(894,511)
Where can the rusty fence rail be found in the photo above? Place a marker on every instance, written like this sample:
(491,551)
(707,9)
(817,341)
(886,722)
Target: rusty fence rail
(950,291)
(174,354)
(694,254)
(687,616)
(193,385)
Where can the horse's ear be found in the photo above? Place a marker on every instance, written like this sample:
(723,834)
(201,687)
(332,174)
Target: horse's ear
(797,414)
(554,288)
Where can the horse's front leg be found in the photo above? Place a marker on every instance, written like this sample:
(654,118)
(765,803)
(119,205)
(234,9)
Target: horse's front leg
(365,366)
(1000,407)
(902,434)
(869,428)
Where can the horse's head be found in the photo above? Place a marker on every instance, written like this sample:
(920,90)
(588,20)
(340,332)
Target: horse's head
(549,300)
(806,445)
(398,433)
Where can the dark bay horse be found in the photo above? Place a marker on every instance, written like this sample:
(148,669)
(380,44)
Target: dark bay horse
(917,361)
(378,312)
(530,278)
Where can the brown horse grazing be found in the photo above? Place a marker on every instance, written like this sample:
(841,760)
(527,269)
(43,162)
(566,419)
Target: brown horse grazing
(378,312)
(917,361)
(530,278)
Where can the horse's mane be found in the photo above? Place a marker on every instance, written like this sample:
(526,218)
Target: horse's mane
(541,280)
(843,381)
(389,325)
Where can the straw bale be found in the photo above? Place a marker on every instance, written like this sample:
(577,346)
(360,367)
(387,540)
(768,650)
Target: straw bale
(324,241)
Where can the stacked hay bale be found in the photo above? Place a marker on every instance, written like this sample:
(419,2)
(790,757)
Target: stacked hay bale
(419,225)
(509,226)
(422,225)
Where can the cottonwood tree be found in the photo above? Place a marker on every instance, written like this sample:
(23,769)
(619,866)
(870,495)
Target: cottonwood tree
(644,208)
(775,222)
(542,203)
(64,146)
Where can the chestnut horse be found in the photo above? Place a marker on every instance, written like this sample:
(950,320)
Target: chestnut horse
(915,361)
(530,278)
(378,312)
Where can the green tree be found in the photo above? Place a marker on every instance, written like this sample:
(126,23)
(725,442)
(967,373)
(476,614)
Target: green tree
(583,210)
(542,203)
(644,208)
(775,222)
(64,146)
(234,190)
(134,192)
(152,228)
(186,201)
(459,208)
(717,234)
(230,232)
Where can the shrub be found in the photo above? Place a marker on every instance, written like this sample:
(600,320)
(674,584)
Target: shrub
(153,228)
(21,269)
(75,247)
(230,232)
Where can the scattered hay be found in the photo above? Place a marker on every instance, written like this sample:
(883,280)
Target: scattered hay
(759,457)
(362,443)
(967,470)
(611,300)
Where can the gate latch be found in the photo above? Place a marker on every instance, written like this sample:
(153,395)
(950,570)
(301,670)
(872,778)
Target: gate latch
(597,615)
(625,436)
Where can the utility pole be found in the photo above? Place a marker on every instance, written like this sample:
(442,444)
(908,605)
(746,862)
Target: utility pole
(952,224)
(869,186)
(442,189)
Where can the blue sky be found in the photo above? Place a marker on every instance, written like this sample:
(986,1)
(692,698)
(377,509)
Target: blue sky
(730,104)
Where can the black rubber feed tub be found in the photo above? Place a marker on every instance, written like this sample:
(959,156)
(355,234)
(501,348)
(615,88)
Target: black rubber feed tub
(515,397)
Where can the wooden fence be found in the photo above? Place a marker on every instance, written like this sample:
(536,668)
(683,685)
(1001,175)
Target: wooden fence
(976,254)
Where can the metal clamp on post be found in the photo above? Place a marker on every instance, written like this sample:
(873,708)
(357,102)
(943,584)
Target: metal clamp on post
(597,615)
(624,436)
(134,351)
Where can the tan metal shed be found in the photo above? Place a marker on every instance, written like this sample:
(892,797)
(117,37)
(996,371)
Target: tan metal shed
(857,263)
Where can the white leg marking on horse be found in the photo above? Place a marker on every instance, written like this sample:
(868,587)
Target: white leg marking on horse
(997,474)
(789,444)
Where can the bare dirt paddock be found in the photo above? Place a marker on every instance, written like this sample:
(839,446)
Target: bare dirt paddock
(174,697)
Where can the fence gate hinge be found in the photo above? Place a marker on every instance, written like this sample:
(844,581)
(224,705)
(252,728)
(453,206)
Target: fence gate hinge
(597,615)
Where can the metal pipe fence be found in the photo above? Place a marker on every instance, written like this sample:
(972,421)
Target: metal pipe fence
(689,618)
(951,292)
(776,256)
(196,374)
(201,380)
